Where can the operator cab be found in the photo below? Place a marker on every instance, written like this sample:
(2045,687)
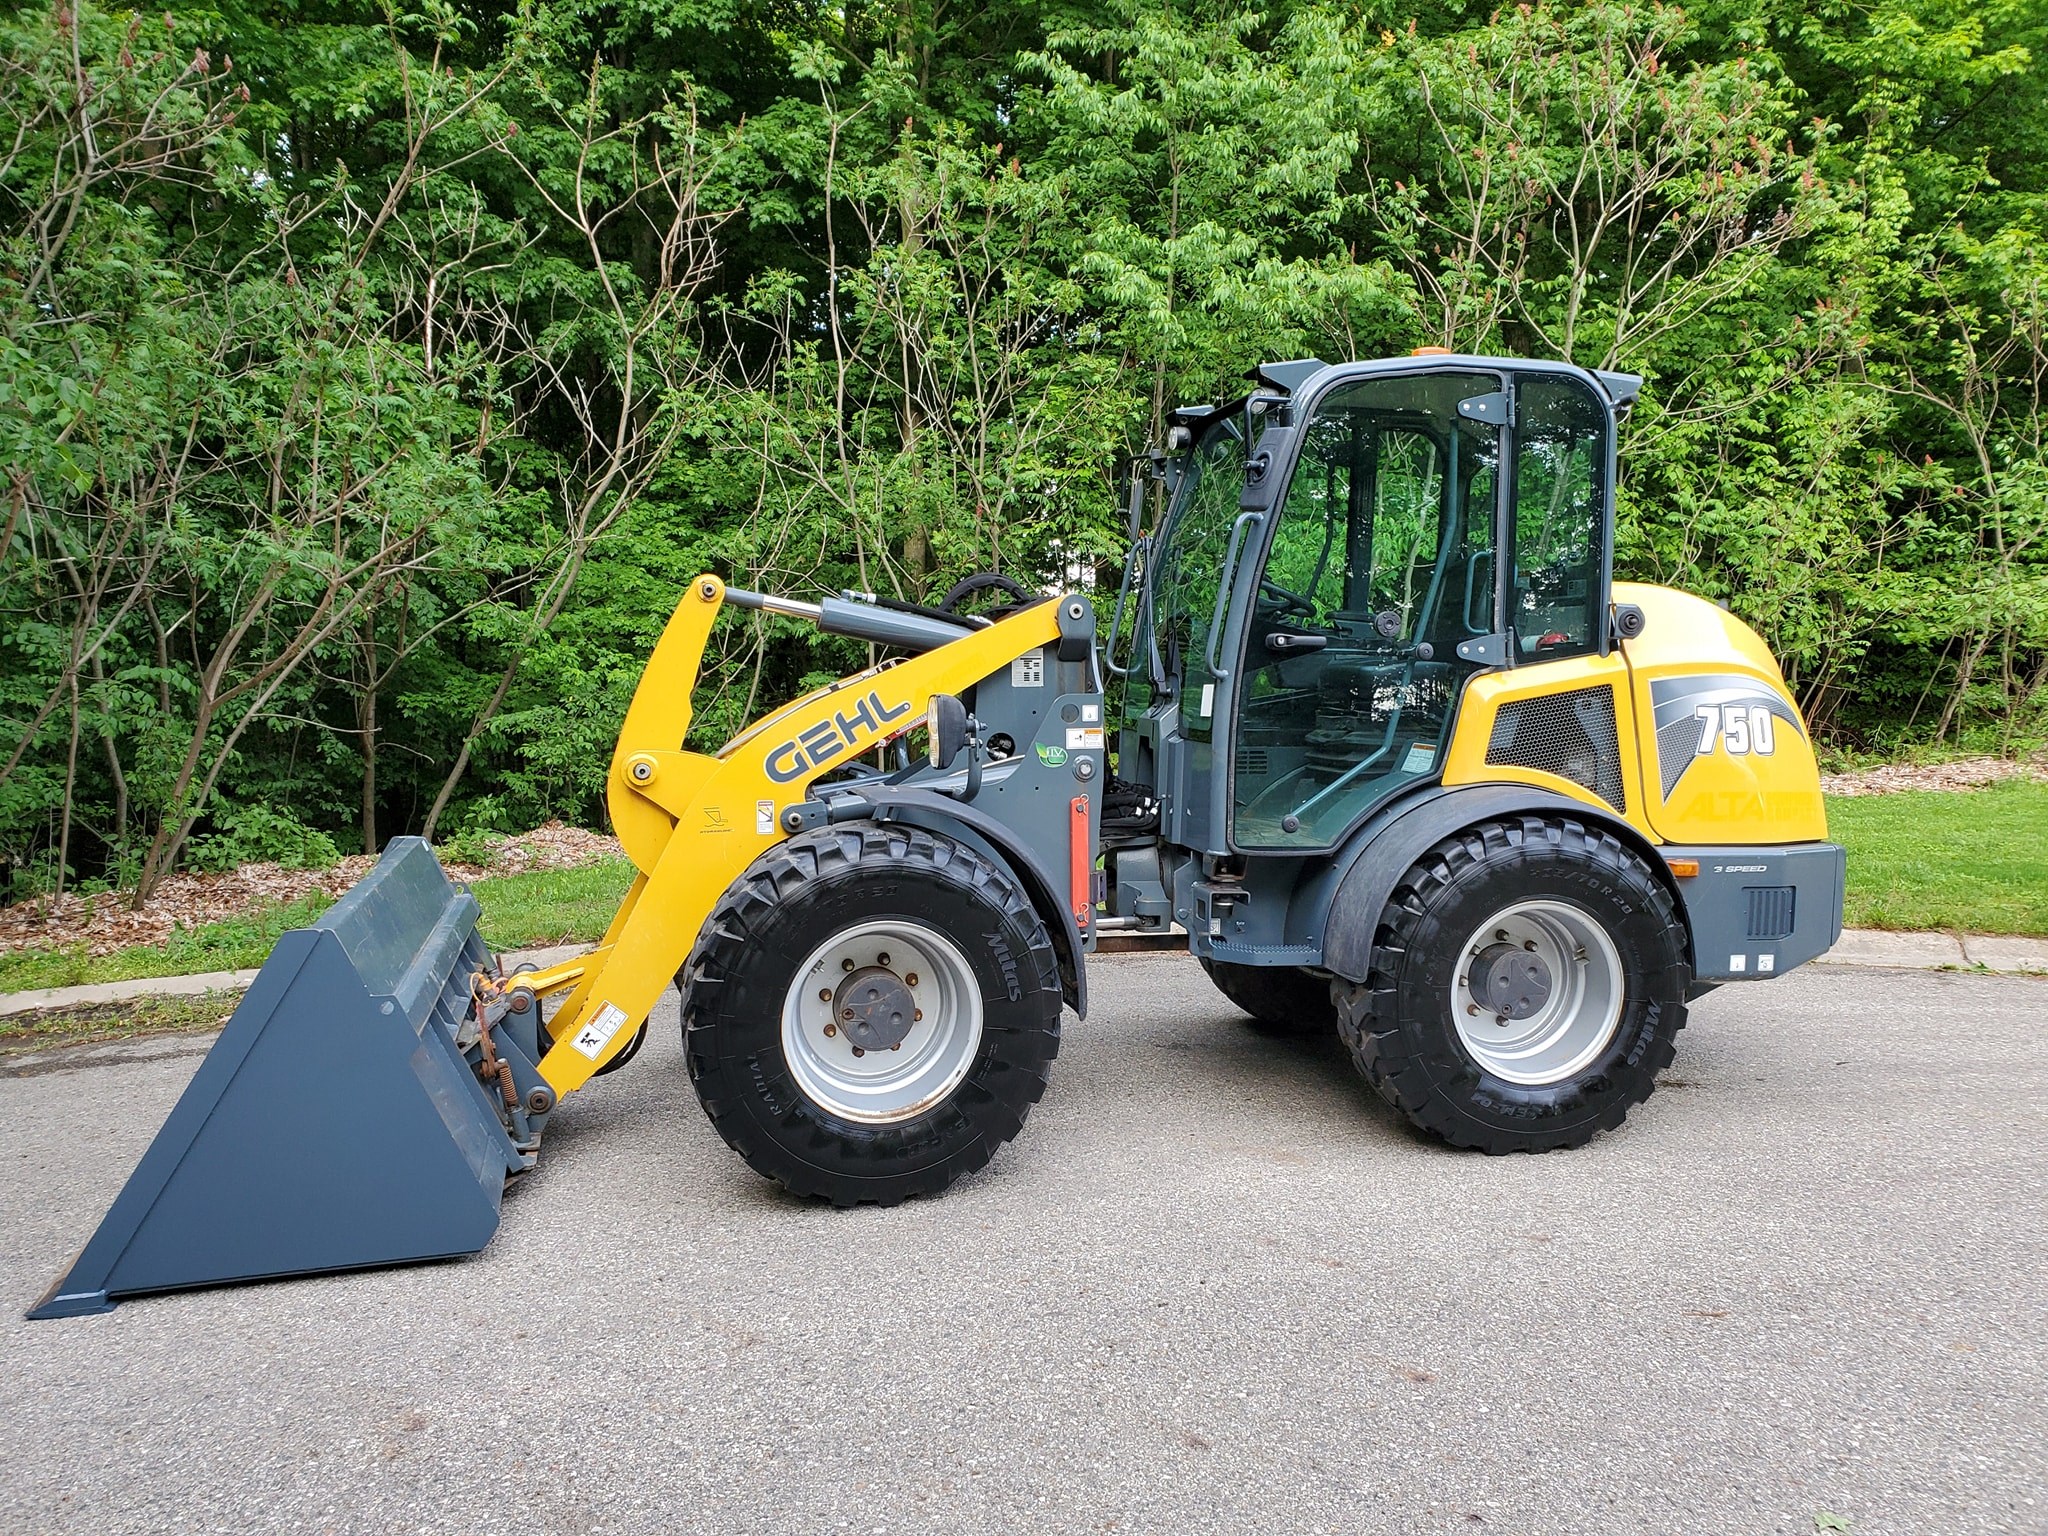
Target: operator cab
(1341,551)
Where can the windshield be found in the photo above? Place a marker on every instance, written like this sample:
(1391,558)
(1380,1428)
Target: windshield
(1198,527)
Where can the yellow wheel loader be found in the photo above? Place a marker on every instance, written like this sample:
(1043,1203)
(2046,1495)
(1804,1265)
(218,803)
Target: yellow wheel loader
(1397,758)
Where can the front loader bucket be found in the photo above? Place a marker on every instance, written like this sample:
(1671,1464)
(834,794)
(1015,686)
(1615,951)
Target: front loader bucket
(337,1123)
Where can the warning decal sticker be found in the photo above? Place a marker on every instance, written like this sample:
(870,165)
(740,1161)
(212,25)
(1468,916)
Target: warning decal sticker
(593,1037)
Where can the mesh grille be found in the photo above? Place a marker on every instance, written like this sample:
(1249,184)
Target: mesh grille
(1568,734)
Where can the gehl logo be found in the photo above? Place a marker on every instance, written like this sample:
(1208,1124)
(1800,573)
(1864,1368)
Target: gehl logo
(828,738)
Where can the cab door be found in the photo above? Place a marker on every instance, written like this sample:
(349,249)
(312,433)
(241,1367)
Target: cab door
(1557,715)
(1380,562)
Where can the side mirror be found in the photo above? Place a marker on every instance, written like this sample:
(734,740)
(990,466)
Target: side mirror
(945,722)
(1261,470)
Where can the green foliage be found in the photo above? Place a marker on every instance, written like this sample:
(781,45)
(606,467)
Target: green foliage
(257,834)
(475,845)
(366,402)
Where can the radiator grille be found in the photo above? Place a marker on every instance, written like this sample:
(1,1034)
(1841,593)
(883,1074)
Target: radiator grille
(1770,910)
(1568,734)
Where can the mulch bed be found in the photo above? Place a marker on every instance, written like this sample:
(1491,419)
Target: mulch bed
(1963,773)
(104,923)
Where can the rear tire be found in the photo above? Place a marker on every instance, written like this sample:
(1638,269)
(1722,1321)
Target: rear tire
(1281,999)
(1516,1065)
(923,948)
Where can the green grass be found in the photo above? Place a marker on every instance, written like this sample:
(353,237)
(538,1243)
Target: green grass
(547,907)
(47,1027)
(1975,861)
(556,906)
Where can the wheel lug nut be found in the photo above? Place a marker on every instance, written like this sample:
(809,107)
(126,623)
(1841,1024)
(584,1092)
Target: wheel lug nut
(824,994)
(882,958)
(910,980)
(847,965)
(858,1051)
(1500,935)
(917,1015)
(897,1046)
(831,1029)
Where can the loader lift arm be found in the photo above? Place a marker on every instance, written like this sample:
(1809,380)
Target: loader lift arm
(382,1080)
(691,822)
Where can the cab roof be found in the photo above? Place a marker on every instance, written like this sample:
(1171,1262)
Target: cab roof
(1291,377)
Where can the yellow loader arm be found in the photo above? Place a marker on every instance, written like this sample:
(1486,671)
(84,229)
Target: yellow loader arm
(691,822)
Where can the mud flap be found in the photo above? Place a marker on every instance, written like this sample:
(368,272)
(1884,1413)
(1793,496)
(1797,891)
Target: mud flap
(339,1121)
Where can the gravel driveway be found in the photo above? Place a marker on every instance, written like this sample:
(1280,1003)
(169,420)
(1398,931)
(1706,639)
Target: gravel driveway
(1215,1286)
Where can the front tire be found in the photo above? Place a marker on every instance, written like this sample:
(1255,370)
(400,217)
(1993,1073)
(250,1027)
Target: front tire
(870,1012)
(1528,984)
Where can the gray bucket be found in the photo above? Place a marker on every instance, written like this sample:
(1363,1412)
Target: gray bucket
(339,1122)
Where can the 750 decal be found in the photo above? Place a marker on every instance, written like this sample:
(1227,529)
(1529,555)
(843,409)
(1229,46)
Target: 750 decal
(1741,728)
(828,738)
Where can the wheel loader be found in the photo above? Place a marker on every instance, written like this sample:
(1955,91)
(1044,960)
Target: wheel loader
(1395,758)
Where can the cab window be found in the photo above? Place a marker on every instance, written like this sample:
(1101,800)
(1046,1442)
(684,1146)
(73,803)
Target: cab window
(1556,607)
(1189,571)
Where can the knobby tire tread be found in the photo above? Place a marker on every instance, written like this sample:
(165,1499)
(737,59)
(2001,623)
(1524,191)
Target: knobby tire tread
(810,1152)
(1391,1042)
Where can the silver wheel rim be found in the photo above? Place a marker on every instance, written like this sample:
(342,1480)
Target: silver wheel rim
(1568,1029)
(880,1087)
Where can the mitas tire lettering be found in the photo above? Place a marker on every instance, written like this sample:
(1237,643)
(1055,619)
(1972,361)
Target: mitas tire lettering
(794,899)
(1006,963)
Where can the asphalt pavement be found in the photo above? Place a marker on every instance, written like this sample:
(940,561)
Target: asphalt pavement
(1215,1286)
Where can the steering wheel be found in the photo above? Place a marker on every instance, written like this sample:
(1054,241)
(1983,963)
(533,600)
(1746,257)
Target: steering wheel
(1284,600)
